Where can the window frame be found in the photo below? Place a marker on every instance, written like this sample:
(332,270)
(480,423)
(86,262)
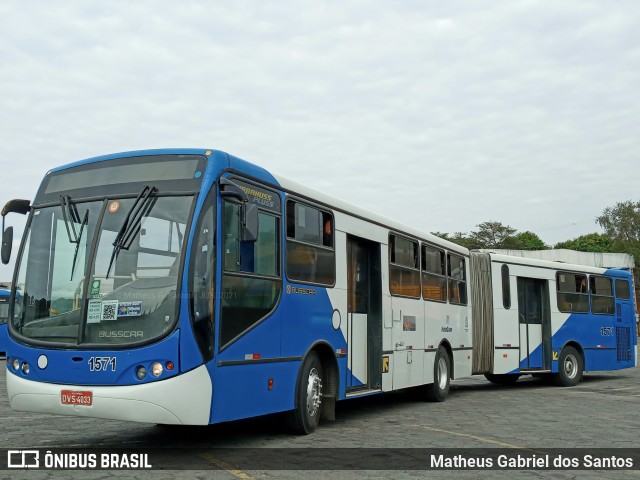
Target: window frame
(506,286)
(587,293)
(626,281)
(597,295)
(405,267)
(423,271)
(450,278)
(240,274)
(285,230)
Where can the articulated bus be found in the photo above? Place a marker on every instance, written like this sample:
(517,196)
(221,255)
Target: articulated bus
(192,287)
(4,315)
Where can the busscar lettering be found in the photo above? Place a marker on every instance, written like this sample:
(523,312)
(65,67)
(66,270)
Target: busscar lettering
(121,334)
(303,291)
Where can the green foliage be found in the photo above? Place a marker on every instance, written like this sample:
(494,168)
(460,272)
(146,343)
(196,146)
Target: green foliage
(526,241)
(591,242)
(494,234)
(621,222)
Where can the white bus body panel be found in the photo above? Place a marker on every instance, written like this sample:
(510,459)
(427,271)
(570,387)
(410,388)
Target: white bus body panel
(183,399)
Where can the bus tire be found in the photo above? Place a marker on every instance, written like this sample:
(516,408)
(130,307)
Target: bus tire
(502,379)
(570,367)
(308,400)
(439,389)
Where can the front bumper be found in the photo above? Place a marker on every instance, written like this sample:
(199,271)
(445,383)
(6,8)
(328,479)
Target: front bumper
(183,399)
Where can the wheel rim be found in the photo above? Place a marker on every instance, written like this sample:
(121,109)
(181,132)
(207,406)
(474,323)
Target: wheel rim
(442,373)
(314,392)
(571,366)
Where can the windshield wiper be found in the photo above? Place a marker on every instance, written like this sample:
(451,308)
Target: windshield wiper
(131,225)
(85,221)
(71,217)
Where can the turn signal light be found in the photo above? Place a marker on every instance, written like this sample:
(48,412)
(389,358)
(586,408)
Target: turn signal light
(141,372)
(169,365)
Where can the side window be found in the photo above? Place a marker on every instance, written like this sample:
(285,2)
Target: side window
(622,290)
(434,274)
(404,274)
(572,292)
(602,301)
(506,287)
(203,270)
(311,255)
(251,283)
(457,279)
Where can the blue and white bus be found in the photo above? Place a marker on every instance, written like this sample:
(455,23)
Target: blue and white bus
(192,287)
(4,315)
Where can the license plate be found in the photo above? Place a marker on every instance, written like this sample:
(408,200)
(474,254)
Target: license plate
(76,397)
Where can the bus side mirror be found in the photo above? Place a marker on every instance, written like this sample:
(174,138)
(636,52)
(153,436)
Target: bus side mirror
(12,206)
(249,222)
(7,243)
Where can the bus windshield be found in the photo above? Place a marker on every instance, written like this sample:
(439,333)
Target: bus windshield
(76,288)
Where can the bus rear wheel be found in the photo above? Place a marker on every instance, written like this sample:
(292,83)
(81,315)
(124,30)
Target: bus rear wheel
(502,379)
(570,368)
(308,402)
(439,389)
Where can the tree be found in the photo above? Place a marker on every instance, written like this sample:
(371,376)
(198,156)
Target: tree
(591,242)
(492,234)
(526,241)
(459,238)
(621,222)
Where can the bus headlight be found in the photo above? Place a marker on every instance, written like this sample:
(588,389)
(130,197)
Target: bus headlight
(16,364)
(156,369)
(141,372)
(25,368)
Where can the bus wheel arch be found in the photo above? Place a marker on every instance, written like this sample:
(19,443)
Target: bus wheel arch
(316,389)
(570,365)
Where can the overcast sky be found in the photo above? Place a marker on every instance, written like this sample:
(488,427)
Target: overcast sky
(441,115)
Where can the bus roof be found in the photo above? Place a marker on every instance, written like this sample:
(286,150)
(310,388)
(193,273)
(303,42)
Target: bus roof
(288,185)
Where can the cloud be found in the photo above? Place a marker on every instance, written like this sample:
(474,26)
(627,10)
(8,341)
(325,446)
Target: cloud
(441,115)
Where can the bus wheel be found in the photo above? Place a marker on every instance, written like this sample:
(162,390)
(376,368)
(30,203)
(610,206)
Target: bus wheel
(439,389)
(308,401)
(505,379)
(570,367)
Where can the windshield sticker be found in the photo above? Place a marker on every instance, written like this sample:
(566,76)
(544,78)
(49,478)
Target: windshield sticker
(95,288)
(130,309)
(109,309)
(94,311)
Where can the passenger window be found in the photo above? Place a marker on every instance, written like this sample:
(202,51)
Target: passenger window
(602,301)
(434,279)
(506,287)
(457,279)
(310,245)
(404,274)
(622,290)
(572,292)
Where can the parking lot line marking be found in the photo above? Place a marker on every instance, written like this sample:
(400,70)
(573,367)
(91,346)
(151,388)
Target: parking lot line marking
(475,437)
(226,467)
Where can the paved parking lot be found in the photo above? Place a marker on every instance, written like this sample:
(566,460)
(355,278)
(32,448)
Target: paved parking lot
(602,412)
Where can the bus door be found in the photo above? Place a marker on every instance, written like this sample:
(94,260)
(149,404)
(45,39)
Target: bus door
(535,324)
(364,314)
